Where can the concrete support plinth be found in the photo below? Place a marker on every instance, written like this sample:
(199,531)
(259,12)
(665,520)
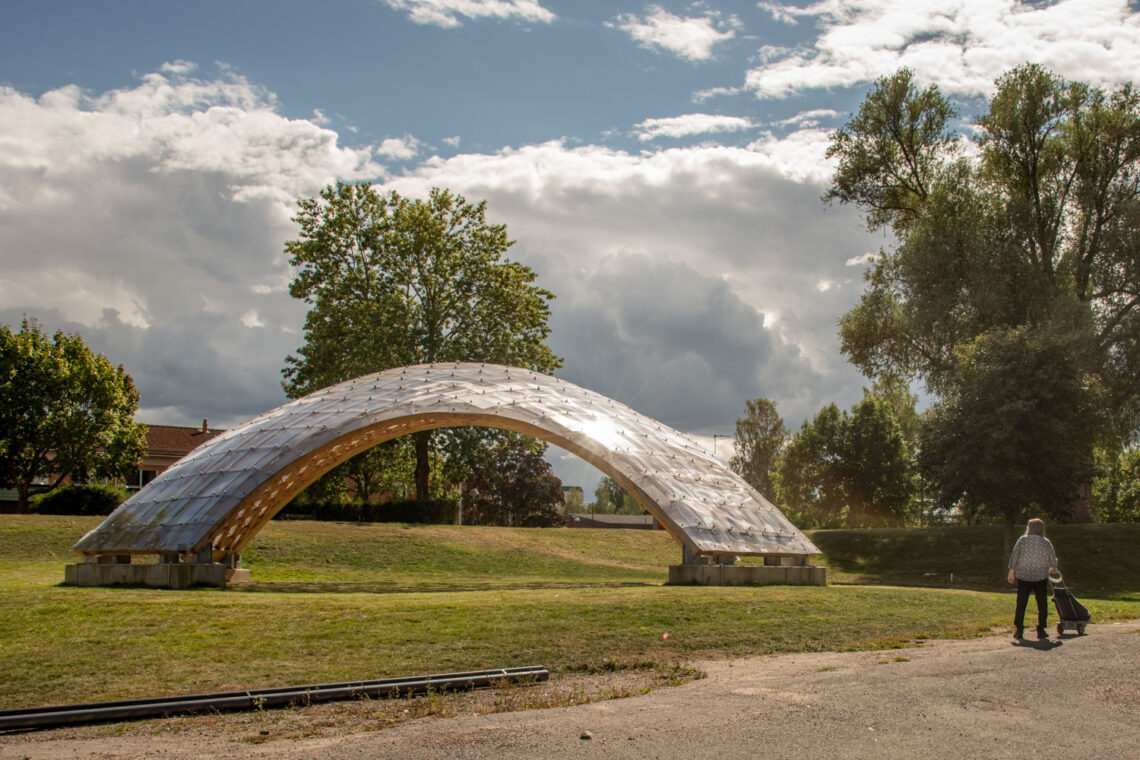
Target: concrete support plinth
(754,575)
(161,575)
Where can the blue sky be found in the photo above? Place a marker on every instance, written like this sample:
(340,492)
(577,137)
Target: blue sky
(659,165)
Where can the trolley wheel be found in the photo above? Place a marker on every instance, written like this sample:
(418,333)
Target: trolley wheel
(1081,629)
(1060,628)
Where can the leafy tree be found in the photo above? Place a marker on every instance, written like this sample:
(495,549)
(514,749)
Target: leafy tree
(610,498)
(65,412)
(1036,229)
(879,467)
(809,474)
(393,281)
(1011,436)
(515,488)
(895,392)
(848,469)
(1116,488)
(760,434)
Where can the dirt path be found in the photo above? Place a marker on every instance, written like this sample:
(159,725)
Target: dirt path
(980,698)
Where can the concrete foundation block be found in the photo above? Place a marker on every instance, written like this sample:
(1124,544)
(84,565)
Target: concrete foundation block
(753,575)
(160,575)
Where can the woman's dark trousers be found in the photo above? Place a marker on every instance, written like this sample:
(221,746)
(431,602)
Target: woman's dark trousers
(1040,591)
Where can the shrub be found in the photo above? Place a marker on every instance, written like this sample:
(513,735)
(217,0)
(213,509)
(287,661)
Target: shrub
(80,500)
(344,509)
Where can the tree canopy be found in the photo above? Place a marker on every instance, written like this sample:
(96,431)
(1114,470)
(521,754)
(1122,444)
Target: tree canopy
(850,469)
(760,435)
(515,487)
(1039,227)
(65,412)
(393,281)
(611,498)
(1015,431)
(1028,236)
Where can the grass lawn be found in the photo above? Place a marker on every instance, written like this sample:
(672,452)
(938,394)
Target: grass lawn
(339,602)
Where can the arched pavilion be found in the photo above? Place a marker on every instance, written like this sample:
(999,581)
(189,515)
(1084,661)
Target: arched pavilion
(198,515)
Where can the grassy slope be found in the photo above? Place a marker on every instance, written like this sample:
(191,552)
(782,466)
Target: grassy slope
(556,597)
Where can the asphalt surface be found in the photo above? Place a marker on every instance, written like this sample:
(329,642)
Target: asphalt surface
(1069,697)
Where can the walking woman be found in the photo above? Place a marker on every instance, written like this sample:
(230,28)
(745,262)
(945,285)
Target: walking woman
(1030,564)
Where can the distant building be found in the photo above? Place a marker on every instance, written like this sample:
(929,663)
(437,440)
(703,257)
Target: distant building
(165,445)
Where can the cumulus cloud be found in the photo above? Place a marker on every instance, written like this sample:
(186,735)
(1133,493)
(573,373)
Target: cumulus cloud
(807,119)
(963,45)
(151,221)
(800,155)
(399,148)
(450,13)
(700,96)
(619,236)
(689,124)
(692,38)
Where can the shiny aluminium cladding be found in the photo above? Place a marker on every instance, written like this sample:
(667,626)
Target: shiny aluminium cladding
(221,494)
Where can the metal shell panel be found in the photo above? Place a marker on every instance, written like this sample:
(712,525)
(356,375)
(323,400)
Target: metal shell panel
(223,492)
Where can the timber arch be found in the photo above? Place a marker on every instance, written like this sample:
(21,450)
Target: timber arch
(210,505)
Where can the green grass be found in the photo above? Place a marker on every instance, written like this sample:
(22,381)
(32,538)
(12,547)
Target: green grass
(562,598)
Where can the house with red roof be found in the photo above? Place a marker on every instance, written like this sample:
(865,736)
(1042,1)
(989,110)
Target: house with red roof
(165,445)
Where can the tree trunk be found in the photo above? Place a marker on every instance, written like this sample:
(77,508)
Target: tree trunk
(423,466)
(1080,509)
(22,498)
(1007,542)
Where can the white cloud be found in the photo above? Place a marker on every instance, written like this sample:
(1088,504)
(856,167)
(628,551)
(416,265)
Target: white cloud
(689,124)
(782,13)
(178,68)
(151,220)
(452,141)
(700,96)
(808,118)
(399,148)
(251,319)
(686,278)
(450,13)
(963,45)
(800,156)
(690,38)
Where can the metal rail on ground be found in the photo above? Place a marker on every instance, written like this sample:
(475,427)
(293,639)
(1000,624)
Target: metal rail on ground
(256,699)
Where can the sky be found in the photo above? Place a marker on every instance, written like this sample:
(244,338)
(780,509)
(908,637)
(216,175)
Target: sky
(659,165)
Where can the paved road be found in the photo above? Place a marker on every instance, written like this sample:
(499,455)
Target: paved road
(1077,697)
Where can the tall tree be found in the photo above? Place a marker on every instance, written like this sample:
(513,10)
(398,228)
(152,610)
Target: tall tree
(611,498)
(393,281)
(1011,437)
(1037,228)
(65,412)
(809,475)
(516,487)
(760,434)
(1116,489)
(851,469)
